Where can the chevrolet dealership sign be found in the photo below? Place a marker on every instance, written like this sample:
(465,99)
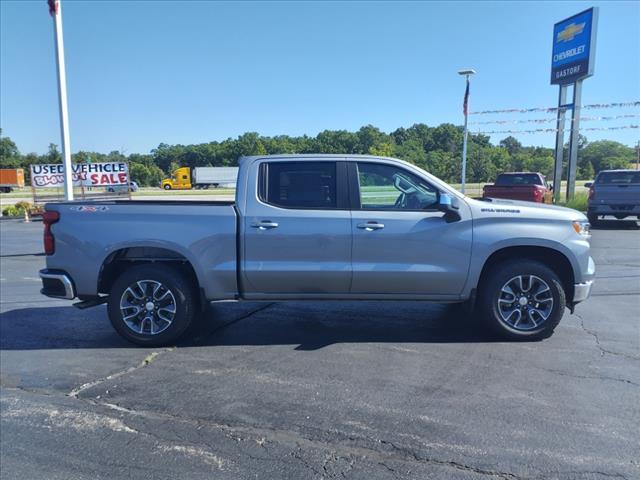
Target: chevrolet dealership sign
(574,47)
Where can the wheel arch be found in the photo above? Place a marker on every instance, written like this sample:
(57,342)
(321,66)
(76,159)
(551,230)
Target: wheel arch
(548,256)
(124,257)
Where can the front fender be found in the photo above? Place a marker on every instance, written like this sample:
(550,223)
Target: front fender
(486,243)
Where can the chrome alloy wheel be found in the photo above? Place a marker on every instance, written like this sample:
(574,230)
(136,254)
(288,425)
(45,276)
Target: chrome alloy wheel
(147,307)
(525,302)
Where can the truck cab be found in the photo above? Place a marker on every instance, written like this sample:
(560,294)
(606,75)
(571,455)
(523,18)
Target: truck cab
(180,180)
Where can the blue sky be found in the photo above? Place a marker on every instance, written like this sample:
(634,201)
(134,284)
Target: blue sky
(142,73)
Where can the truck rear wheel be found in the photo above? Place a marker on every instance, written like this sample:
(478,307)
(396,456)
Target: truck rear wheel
(151,305)
(522,300)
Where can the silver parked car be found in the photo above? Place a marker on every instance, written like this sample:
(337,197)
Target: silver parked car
(133,187)
(315,227)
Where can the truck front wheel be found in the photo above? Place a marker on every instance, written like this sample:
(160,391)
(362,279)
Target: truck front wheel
(151,305)
(522,300)
(167,186)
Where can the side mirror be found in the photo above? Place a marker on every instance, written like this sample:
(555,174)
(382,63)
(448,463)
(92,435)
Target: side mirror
(450,206)
(588,185)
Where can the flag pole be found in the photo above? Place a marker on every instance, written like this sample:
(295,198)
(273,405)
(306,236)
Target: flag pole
(466,136)
(467,73)
(56,12)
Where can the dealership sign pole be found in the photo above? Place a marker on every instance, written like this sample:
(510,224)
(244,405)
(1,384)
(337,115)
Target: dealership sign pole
(573,60)
(56,12)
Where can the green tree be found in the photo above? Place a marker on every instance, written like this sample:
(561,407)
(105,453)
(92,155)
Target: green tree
(446,137)
(371,137)
(384,149)
(480,167)
(411,150)
(53,154)
(543,165)
(511,145)
(337,141)
(9,153)
(606,154)
(442,165)
(586,171)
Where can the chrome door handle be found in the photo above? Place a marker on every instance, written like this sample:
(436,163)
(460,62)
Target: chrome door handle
(265,225)
(371,226)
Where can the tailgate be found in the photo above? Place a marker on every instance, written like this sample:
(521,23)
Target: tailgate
(524,192)
(624,194)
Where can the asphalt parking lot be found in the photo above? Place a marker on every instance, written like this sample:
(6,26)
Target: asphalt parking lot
(320,390)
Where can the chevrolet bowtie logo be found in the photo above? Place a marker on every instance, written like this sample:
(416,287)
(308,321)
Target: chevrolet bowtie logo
(569,32)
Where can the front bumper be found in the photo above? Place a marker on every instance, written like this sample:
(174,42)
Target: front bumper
(581,291)
(57,284)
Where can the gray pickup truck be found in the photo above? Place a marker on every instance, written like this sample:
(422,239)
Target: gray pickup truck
(317,227)
(615,193)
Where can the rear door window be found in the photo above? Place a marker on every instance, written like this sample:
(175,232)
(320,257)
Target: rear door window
(618,178)
(518,179)
(299,185)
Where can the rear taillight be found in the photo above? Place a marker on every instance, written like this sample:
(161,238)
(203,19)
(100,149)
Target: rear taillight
(592,193)
(49,218)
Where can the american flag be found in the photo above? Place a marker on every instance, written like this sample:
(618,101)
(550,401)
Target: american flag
(465,105)
(53,7)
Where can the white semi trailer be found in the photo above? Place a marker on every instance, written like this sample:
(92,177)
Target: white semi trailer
(205,177)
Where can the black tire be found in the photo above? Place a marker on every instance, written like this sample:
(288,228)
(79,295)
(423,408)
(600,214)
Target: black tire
(167,187)
(491,292)
(593,219)
(183,300)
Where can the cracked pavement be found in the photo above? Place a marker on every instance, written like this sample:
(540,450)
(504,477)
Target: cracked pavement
(371,390)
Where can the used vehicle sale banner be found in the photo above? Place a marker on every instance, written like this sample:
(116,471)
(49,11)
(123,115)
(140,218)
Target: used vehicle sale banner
(84,175)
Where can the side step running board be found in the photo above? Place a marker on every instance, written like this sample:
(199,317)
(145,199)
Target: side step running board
(94,302)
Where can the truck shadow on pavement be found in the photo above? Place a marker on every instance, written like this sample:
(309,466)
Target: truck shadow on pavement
(305,325)
(608,224)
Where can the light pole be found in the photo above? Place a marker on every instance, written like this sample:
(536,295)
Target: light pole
(56,12)
(465,108)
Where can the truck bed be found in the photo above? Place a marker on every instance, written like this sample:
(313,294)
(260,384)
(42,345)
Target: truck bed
(88,234)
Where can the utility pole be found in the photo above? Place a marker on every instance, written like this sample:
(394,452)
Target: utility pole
(638,156)
(56,12)
(467,73)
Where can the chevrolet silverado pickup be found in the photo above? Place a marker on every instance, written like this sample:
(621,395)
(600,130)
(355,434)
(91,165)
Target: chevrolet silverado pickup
(312,227)
(526,186)
(616,193)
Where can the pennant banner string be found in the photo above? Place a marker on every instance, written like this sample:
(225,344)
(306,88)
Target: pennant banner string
(555,109)
(553,130)
(553,119)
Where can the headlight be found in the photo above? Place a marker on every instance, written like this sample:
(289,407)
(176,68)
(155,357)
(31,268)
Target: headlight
(582,228)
